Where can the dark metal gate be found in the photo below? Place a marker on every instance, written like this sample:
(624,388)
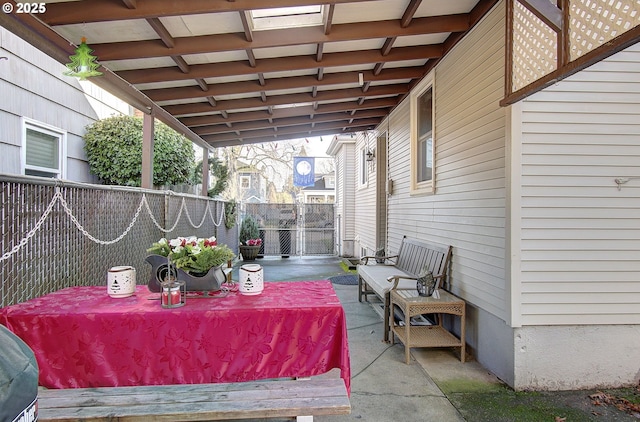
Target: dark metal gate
(295,229)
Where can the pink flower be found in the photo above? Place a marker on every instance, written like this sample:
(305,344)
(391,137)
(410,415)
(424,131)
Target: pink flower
(254,242)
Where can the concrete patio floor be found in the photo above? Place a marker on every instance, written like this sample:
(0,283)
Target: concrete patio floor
(383,387)
(435,386)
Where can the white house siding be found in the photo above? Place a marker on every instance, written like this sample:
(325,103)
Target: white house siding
(365,202)
(580,236)
(349,197)
(344,154)
(32,85)
(467,210)
(399,172)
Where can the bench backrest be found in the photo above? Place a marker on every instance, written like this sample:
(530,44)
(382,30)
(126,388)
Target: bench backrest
(414,255)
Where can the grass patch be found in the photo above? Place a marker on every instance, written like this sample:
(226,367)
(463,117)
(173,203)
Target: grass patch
(346,269)
(630,394)
(509,406)
(454,386)
(502,404)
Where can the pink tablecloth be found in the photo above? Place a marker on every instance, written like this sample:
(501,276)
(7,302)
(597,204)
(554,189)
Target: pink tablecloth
(83,338)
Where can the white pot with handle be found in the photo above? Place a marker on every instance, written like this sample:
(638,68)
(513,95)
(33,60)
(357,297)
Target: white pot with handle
(251,279)
(121,281)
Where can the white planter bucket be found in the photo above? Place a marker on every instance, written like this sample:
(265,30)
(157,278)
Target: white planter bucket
(121,281)
(251,279)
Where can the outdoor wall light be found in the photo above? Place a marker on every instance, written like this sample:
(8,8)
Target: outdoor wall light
(83,65)
(369,155)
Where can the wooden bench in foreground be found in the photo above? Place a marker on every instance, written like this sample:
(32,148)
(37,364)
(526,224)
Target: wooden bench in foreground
(197,402)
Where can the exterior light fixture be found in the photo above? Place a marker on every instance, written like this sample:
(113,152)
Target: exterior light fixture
(370,154)
(83,65)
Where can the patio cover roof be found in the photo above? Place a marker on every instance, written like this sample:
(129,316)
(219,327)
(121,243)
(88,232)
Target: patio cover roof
(202,67)
(207,69)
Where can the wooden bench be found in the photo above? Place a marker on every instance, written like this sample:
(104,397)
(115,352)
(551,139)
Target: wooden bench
(401,272)
(198,402)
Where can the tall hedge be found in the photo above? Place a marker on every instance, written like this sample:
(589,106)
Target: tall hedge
(114,151)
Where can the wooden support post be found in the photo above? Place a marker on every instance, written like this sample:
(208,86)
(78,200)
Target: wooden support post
(147,151)
(205,171)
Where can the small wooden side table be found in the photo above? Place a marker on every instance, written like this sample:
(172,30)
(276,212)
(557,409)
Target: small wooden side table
(412,304)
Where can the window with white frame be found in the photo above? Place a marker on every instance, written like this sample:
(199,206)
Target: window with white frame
(422,142)
(245,182)
(329,182)
(364,168)
(43,150)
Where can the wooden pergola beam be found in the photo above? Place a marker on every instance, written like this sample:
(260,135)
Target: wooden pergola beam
(219,43)
(291,132)
(288,121)
(280,113)
(277,84)
(87,11)
(253,103)
(280,64)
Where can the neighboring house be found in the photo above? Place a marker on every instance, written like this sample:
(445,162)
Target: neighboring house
(251,184)
(342,148)
(43,114)
(546,244)
(323,190)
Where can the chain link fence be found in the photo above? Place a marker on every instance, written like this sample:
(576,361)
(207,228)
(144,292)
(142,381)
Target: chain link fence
(291,229)
(60,234)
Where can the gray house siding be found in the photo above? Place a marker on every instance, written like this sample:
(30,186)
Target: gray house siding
(32,86)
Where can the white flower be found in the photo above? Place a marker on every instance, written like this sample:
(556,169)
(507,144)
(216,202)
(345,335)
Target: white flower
(195,250)
(176,242)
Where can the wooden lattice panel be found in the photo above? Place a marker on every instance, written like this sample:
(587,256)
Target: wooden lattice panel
(594,22)
(534,47)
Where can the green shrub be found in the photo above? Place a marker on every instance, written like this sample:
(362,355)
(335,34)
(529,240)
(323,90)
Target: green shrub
(230,211)
(249,229)
(114,152)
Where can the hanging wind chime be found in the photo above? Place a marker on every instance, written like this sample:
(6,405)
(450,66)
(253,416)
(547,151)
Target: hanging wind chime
(83,65)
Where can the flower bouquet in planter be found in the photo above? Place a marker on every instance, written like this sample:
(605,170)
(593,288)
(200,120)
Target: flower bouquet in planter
(197,261)
(254,242)
(250,241)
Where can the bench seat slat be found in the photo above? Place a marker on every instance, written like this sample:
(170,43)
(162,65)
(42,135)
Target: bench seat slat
(184,393)
(196,402)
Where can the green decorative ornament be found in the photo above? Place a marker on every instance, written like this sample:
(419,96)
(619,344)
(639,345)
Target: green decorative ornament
(83,65)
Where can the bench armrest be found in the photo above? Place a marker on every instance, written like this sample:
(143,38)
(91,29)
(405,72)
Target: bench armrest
(396,278)
(365,259)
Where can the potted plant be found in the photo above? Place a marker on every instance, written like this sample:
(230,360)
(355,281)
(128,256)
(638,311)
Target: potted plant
(197,261)
(249,238)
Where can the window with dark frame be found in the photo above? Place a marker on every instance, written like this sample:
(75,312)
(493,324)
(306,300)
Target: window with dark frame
(425,137)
